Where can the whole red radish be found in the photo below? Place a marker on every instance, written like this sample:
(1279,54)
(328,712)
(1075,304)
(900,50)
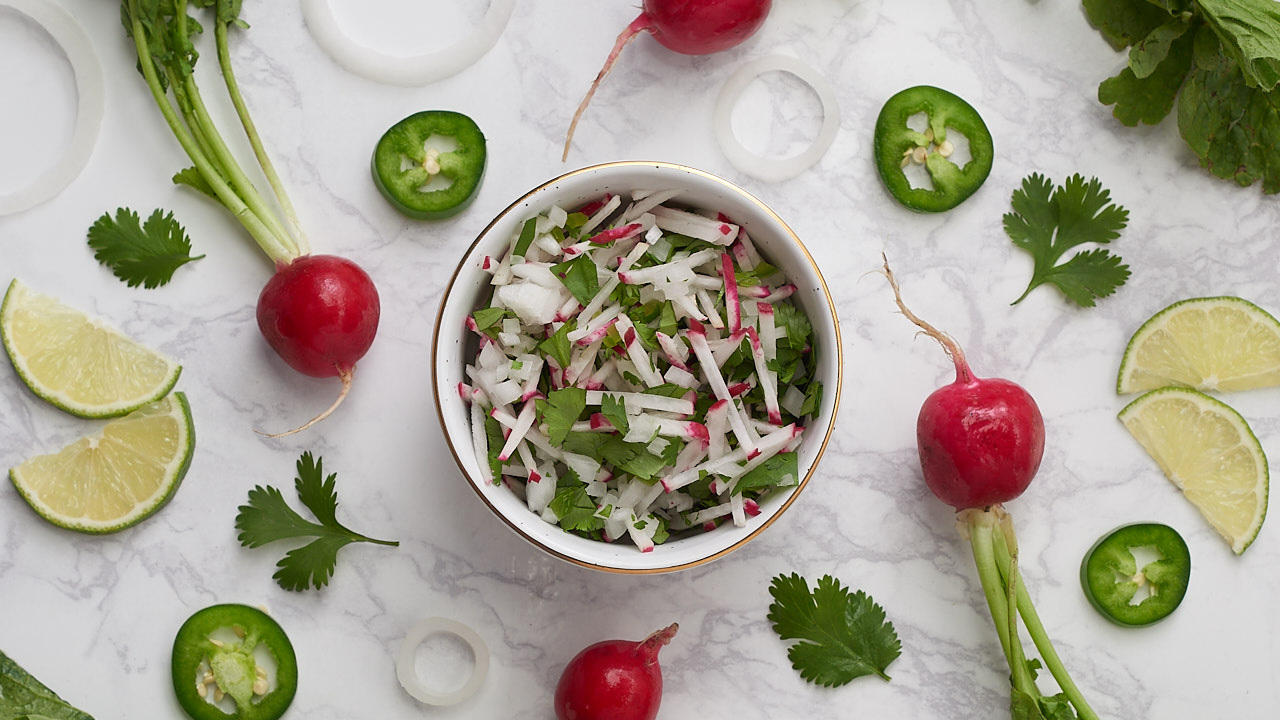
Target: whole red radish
(614,680)
(689,27)
(980,439)
(320,314)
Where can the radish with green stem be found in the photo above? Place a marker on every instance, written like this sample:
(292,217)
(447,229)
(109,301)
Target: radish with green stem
(980,442)
(689,27)
(318,312)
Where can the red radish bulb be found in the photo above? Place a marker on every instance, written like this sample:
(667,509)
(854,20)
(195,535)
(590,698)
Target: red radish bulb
(689,27)
(980,439)
(614,680)
(320,314)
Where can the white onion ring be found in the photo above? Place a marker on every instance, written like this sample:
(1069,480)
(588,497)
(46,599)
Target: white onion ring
(774,169)
(91,99)
(406,71)
(407,671)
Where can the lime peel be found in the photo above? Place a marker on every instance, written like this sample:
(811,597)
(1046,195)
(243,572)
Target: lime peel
(84,486)
(1208,451)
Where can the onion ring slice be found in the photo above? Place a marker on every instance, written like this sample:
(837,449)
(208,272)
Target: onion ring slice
(405,71)
(90,103)
(407,673)
(758,166)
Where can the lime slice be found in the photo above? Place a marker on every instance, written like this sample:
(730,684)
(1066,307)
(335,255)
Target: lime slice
(1212,343)
(116,479)
(1207,450)
(76,362)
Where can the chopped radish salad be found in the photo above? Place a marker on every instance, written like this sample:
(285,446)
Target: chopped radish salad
(641,371)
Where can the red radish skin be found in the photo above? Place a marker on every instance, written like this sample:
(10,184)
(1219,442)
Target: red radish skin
(689,27)
(980,439)
(614,680)
(320,314)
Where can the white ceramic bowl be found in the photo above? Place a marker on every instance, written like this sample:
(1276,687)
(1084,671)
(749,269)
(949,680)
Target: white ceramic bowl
(454,347)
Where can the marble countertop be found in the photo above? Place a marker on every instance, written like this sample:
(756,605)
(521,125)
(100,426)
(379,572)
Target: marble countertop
(94,617)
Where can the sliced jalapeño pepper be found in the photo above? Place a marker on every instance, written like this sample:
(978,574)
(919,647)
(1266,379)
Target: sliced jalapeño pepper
(897,146)
(214,659)
(429,165)
(1112,579)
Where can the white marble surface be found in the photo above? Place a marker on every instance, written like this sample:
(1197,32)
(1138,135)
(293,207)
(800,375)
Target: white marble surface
(94,617)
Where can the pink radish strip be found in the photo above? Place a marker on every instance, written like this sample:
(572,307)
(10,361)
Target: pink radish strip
(749,249)
(598,378)
(755,292)
(718,430)
(709,308)
(698,339)
(601,320)
(740,254)
(599,216)
(480,442)
(768,331)
(728,347)
(739,388)
(465,391)
(731,300)
(578,249)
(767,378)
(584,361)
(751,507)
(641,401)
(677,353)
(695,226)
(738,511)
(637,353)
(622,232)
(782,293)
(526,459)
(683,378)
(655,273)
(589,312)
(711,513)
(647,203)
(594,206)
(524,421)
(597,334)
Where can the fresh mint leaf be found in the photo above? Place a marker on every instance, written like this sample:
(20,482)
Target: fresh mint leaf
(140,253)
(615,411)
(843,635)
(1048,221)
(267,518)
(560,410)
(579,277)
(782,469)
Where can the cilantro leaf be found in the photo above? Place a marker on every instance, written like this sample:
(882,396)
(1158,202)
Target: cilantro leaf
(526,237)
(798,326)
(1124,22)
(192,178)
(844,636)
(1148,98)
(560,410)
(489,320)
(267,518)
(494,439)
(782,469)
(579,277)
(1048,221)
(558,346)
(139,253)
(615,411)
(575,509)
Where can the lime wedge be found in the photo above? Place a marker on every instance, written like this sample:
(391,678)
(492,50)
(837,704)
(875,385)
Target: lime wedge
(1211,343)
(1207,450)
(117,478)
(76,362)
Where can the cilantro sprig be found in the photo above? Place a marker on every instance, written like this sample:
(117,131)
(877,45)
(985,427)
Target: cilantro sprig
(268,518)
(843,635)
(1048,221)
(141,253)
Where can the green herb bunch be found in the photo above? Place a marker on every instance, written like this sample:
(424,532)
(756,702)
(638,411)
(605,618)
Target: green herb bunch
(1218,61)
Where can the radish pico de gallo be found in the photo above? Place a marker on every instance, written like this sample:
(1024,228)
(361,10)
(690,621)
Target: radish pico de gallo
(642,371)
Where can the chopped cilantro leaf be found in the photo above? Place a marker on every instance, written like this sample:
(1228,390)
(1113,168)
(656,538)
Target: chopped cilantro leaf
(575,509)
(489,320)
(558,346)
(579,277)
(782,469)
(615,412)
(560,410)
(526,237)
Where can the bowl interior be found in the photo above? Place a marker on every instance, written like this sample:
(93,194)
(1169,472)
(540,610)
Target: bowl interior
(469,290)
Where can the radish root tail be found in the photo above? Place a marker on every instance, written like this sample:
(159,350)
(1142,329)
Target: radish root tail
(345,376)
(948,343)
(637,26)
